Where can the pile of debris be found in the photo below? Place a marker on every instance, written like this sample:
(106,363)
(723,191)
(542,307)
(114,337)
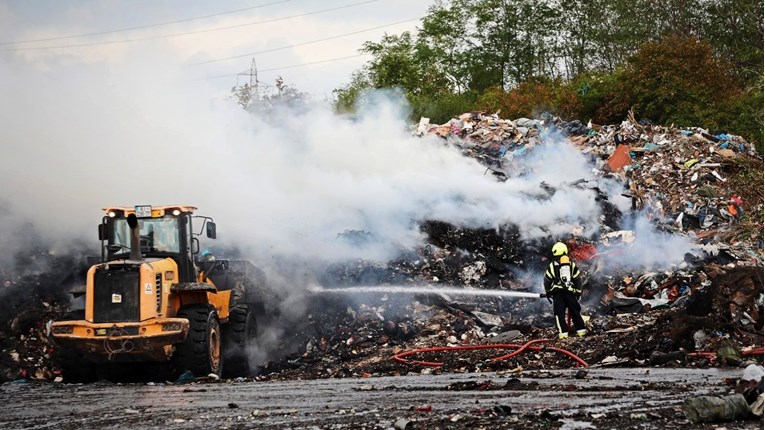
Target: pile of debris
(707,311)
(35,292)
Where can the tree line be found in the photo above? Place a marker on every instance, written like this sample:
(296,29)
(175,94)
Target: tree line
(681,62)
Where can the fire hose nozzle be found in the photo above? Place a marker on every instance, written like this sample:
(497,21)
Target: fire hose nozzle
(543,296)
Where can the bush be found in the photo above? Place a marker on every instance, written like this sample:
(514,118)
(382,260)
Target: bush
(440,108)
(529,99)
(677,80)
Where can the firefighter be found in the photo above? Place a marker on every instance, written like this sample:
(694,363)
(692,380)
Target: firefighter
(563,286)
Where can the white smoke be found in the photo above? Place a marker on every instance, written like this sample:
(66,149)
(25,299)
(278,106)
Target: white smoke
(650,249)
(307,177)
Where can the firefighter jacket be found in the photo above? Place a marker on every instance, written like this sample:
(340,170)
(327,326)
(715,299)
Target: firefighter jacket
(563,276)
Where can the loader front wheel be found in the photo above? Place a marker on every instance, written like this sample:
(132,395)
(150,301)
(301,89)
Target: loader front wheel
(238,338)
(200,352)
(73,365)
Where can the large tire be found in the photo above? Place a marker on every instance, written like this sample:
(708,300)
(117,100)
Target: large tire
(238,339)
(75,368)
(200,352)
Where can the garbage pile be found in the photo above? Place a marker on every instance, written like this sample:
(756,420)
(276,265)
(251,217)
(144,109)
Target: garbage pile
(35,291)
(686,181)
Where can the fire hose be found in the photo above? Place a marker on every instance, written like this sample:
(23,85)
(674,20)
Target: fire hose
(530,345)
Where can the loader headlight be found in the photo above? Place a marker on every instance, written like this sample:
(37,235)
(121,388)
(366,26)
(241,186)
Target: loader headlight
(63,329)
(171,327)
(112,214)
(176,212)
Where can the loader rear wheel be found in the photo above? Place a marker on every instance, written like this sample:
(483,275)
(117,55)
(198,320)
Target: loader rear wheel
(238,337)
(200,351)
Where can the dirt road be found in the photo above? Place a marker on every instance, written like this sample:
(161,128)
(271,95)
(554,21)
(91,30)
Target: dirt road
(601,398)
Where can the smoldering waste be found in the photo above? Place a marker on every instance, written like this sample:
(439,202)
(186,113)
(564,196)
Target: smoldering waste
(703,186)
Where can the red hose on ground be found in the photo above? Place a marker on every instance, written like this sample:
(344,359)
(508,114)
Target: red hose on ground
(520,348)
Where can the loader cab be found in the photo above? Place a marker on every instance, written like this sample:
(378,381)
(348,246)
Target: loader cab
(163,232)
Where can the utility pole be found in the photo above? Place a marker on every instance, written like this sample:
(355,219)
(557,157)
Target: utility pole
(253,78)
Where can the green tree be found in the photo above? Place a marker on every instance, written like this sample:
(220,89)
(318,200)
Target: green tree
(345,98)
(735,29)
(488,43)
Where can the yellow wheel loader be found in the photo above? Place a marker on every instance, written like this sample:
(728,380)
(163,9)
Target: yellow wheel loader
(154,298)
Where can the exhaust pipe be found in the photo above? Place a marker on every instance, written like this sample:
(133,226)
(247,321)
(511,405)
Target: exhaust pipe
(135,237)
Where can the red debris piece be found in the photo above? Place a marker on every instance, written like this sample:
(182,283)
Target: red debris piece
(582,252)
(620,158)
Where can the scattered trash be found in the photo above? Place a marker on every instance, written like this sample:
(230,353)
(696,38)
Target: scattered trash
(185,377)
(753,372)
(580,374)
(757,406)
(403,424)
(502,410)
(707,409)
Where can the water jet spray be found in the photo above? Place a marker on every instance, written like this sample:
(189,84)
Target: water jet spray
(421,289)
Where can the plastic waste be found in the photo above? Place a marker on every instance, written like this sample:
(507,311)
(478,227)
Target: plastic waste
(752,372)
(700,339)
(185,377)
(729,354)
(757,406)
(708,409)
(403,424)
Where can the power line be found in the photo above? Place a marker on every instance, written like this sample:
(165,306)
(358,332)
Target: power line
(163,36)
(313,62)
(139,27)
(290,67)
(249,54)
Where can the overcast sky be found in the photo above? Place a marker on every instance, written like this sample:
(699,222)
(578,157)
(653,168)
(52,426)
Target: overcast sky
(189,32)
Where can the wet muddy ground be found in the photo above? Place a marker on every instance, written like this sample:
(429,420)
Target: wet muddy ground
(568,399)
